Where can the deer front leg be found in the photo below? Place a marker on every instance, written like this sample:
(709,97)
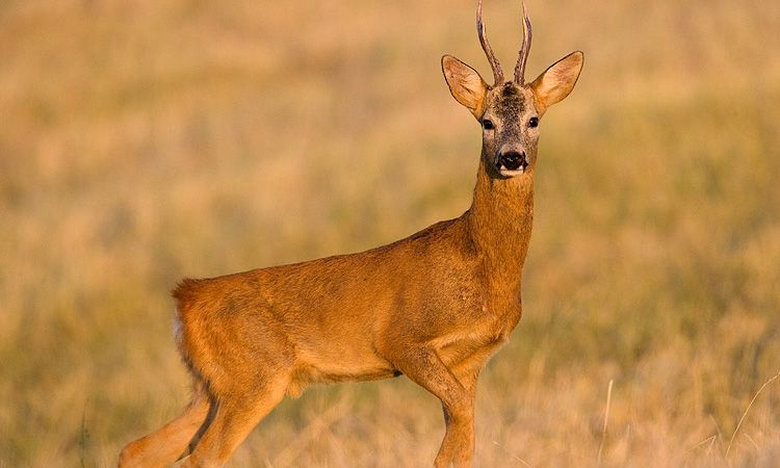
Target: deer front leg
(424,367)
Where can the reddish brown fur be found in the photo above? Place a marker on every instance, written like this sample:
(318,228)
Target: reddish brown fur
(434,306)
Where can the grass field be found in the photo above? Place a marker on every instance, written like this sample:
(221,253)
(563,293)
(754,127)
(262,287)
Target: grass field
(146,141)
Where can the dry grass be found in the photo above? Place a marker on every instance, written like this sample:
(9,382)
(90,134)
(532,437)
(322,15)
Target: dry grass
(146,141)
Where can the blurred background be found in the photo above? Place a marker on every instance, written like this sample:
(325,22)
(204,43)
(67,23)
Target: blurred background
(145,141)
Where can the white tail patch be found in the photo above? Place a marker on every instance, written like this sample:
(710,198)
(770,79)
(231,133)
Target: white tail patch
(177,327)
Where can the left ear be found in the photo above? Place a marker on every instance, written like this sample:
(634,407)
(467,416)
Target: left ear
(556,82)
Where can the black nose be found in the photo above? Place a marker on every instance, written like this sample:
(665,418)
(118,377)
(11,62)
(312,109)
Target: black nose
(512,160)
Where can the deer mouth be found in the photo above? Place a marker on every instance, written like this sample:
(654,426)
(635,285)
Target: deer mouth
(507,173)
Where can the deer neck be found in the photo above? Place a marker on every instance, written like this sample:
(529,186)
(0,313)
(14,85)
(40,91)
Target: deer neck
(500,221)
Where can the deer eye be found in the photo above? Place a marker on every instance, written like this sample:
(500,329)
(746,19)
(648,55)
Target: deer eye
(533,122)
(488,124)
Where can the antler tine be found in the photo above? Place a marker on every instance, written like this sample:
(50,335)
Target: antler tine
(525,48)
(498,73)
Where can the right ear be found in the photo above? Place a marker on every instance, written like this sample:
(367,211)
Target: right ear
(466,86)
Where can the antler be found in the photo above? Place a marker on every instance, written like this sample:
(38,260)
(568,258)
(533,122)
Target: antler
(522,58)
(498,73)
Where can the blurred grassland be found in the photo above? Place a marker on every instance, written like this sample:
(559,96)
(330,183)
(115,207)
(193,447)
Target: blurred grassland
(146,141)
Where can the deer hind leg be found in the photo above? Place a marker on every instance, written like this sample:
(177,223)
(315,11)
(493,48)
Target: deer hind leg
(237,413)
(164,446)
(426,369)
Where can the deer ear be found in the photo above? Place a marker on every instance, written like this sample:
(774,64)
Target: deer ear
(466,86)
(556,82)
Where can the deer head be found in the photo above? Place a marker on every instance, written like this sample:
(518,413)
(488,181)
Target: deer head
(510,111)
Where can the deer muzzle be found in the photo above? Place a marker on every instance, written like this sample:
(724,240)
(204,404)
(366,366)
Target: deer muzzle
(511,163)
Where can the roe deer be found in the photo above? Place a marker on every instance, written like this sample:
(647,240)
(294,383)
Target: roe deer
(434,306)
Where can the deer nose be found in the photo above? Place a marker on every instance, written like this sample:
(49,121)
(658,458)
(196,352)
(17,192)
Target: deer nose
(512,160)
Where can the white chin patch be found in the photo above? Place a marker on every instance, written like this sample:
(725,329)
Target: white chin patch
(511,173)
